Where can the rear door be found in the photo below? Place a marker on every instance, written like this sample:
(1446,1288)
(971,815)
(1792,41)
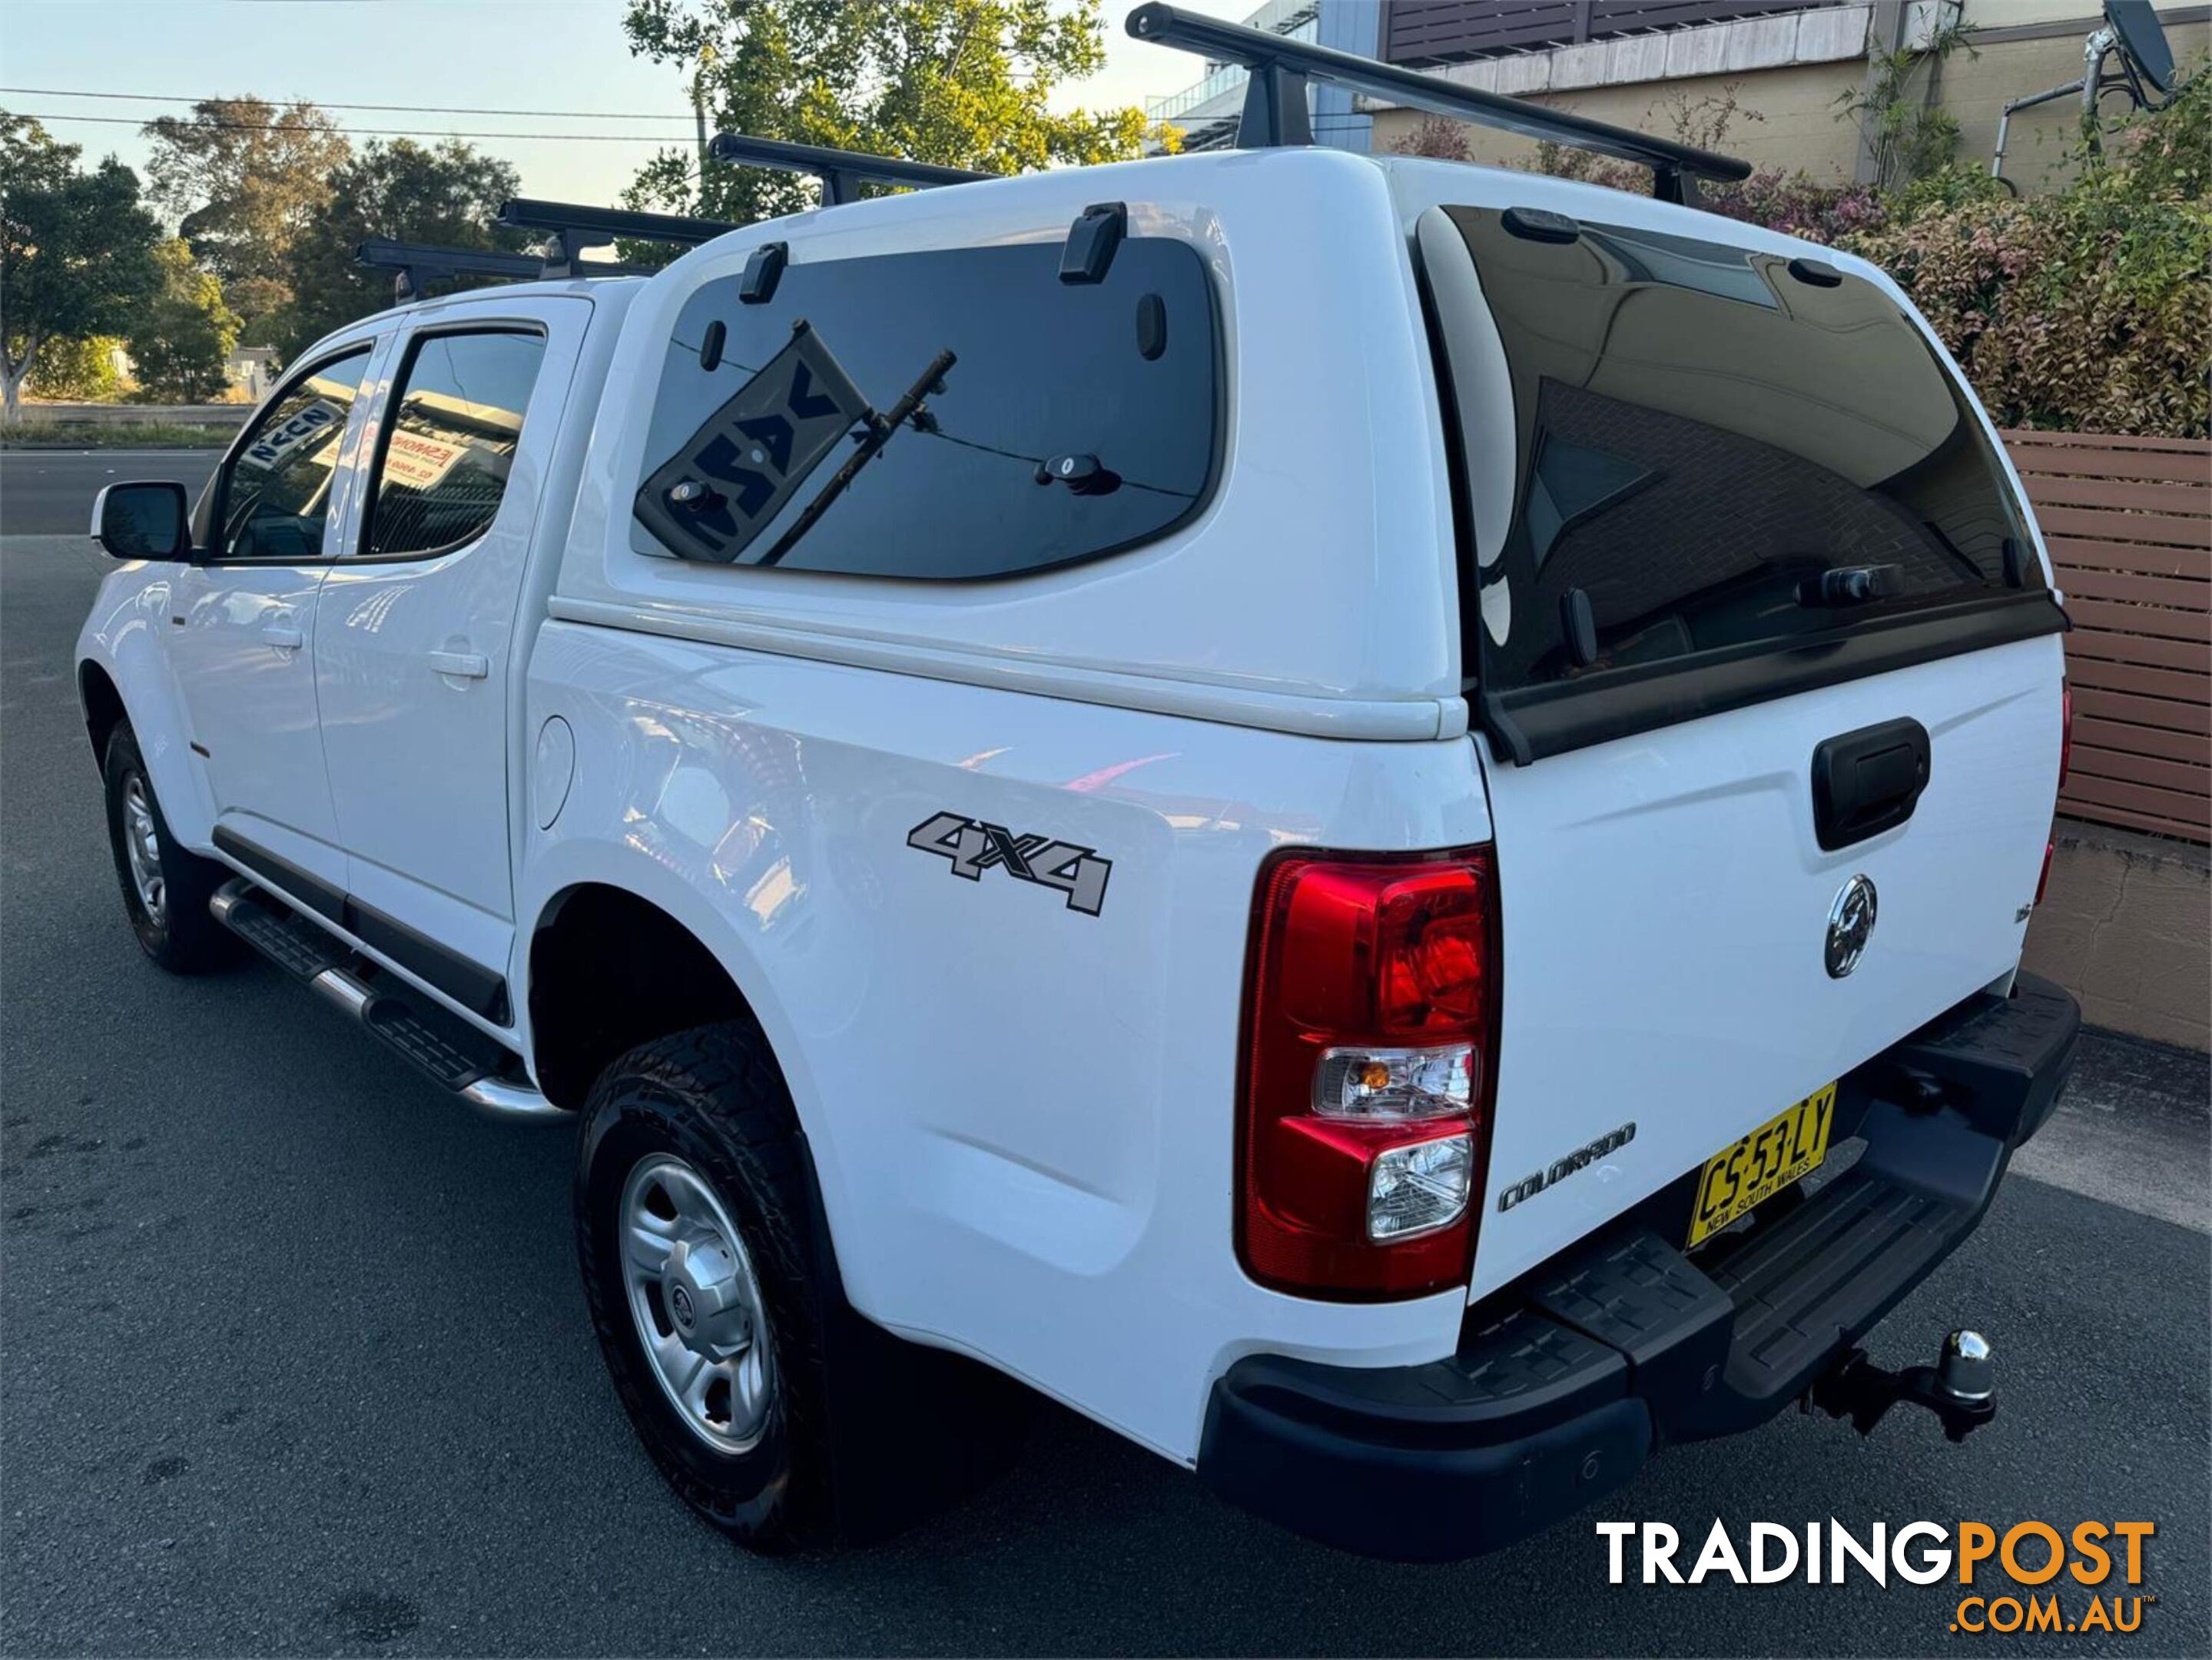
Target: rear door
(1735,525)
(416,638)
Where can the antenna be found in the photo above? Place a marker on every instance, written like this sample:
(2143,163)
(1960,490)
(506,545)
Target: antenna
(1275,99)
(840,171)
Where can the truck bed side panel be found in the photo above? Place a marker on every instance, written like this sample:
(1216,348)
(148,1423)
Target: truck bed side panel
(1023,1114)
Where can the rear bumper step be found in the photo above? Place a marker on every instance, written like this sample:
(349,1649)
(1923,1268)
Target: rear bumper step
(481,1072)
(1566,1381)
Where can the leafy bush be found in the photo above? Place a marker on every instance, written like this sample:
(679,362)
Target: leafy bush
(1796,205)
(2090,308)
(1910,136)
(2087,309)
(65,371)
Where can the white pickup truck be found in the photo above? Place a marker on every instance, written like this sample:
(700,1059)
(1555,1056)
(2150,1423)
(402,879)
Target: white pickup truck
(1371,819)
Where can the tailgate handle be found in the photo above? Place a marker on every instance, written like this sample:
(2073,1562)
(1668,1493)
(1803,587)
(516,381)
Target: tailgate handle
(1867,782)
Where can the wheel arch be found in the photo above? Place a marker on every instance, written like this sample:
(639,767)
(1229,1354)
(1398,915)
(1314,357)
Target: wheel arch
(917,1427)
(691,968)
(129,683)
(609,969)
(102,703)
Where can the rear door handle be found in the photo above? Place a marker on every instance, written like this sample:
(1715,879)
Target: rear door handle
(283,636)
(470,666)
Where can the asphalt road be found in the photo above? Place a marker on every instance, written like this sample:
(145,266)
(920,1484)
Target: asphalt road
(50,492)
(293,1360)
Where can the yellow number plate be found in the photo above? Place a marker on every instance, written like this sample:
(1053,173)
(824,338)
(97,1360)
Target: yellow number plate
(1771,1157)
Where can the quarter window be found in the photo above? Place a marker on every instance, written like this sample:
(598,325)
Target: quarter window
(1071,421)
(456,418)
(275,496)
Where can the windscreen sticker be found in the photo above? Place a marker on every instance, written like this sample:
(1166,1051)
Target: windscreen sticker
(276,442)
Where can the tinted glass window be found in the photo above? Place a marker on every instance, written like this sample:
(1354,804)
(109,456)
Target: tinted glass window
(276,492)
(1720,450)
(456,420)
(1072,419)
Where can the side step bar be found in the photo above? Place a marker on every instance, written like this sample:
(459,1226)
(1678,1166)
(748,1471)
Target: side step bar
(481,1072)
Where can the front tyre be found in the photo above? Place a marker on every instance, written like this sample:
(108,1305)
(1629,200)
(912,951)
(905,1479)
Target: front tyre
(693,1228)
(166,889)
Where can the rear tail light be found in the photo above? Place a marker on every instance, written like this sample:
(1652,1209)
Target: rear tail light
(1370,1042)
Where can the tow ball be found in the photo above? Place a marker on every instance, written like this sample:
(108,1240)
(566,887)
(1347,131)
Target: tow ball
(1960,1389)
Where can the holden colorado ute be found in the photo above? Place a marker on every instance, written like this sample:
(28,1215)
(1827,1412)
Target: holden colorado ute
(1369,818)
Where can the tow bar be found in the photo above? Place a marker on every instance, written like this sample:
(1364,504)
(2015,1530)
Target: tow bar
(1960,1389)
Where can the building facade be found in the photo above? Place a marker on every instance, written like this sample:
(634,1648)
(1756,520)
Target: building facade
(1789,68)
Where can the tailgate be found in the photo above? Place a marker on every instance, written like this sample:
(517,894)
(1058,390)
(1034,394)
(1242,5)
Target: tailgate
(1666,908)
(1756,622)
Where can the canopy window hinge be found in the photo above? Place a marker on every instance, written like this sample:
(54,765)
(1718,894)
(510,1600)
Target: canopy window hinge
(763,270)
(1088,254)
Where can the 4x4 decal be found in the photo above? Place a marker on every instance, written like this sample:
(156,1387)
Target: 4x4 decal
(974,846)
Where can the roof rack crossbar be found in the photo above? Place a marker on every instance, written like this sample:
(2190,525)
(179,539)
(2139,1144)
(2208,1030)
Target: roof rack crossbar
(840,171)
(416,265)
(1275,101)
(575,228)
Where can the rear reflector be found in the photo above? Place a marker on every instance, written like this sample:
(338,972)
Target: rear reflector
(1372,1035)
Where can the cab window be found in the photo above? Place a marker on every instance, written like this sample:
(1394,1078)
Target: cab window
(275,498)
(456,416)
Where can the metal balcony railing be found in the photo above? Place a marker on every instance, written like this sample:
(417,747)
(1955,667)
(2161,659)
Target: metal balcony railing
(1430,32)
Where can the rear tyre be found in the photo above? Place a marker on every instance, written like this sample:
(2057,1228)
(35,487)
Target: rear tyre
(693,1227)
(776,1411)
(166,889)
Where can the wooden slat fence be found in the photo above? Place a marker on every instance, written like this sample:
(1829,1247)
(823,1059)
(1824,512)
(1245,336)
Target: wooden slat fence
(2129,521)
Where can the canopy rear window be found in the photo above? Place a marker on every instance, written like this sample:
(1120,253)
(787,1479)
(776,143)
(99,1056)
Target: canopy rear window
(1720,458)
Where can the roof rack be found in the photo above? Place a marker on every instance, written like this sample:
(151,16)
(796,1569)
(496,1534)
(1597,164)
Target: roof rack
(575,228)
(416,265)
(1275,99)
(840,171)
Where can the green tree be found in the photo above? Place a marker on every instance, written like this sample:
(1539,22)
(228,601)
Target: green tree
(79,371)
(965,83)
(182,335)
(76,250)
(450,194)
(245,179)
(2088,308)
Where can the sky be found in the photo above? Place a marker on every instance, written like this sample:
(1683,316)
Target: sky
(551,55)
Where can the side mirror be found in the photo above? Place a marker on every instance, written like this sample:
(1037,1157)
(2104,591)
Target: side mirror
(142,521)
